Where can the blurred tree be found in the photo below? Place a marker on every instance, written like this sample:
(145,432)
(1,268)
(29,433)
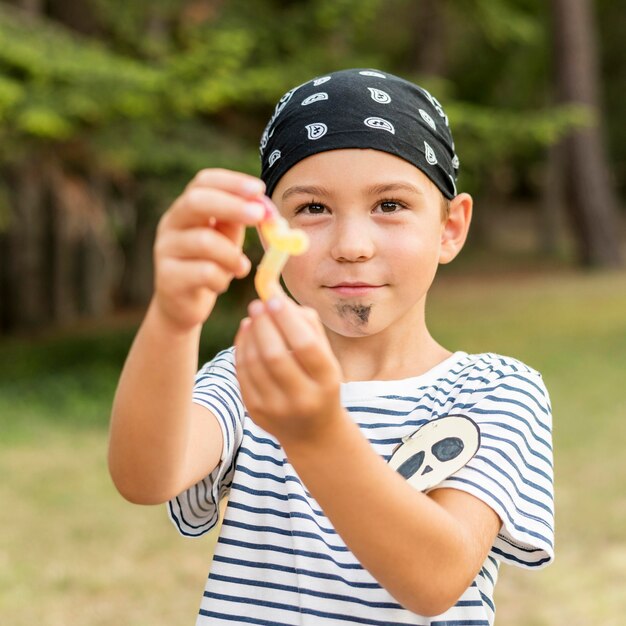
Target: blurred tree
(590,196)
(611,25)
(108,107)
(428,47)
(503,113)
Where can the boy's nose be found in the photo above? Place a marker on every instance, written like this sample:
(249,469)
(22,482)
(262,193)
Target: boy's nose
(352,242)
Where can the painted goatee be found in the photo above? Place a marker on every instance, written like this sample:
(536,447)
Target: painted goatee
(358,313)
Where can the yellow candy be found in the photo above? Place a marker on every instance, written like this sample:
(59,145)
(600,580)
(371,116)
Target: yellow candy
(278,235)
(282,241)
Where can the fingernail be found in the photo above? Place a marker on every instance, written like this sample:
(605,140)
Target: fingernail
(254,211)
(255,308)
(253,187)
(274,304)
(244,265)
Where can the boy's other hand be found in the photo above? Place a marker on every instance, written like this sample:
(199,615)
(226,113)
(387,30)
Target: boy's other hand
(198,247)
(289,377)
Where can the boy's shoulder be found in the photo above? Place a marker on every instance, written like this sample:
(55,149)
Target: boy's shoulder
(487,384)
(462,378)
(485,370)
(493,365)
(221,365)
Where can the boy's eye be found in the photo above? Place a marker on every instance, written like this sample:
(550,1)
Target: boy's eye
(312,208)
(390,206)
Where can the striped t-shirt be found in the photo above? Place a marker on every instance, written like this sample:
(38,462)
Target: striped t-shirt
(279,561)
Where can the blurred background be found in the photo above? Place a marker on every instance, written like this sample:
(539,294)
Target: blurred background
(109,107)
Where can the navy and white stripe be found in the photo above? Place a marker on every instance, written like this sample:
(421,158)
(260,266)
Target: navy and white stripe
(278,560)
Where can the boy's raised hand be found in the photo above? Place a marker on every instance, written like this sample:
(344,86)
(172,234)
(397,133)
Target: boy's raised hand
(289,377)
(198,247)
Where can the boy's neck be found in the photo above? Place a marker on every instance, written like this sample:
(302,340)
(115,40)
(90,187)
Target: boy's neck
(384,357)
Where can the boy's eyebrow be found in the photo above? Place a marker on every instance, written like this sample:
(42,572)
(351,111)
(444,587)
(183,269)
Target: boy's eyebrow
(309,190)
(393,186)
(312,190)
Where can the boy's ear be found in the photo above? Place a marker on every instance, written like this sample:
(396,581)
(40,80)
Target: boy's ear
(456,227)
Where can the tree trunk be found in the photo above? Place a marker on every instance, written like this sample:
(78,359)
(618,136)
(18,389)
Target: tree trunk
(590,197)
(84,256)
(27,304)
(79,16)
(137,283)
(429,44)
(31,7)
(552,204)
(4,278)
(65,229)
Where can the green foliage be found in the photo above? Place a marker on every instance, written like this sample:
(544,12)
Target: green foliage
(488,136)
(166,100)
(11,92)
(155,90)
(69,82)
(504,22)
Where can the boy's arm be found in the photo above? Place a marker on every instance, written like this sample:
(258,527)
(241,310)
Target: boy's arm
(424,549)
(161,442)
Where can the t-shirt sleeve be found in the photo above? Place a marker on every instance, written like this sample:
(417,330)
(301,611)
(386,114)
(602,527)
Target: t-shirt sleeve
(512,471)
(196,510)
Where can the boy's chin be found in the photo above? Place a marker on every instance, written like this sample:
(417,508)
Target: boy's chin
(354,319)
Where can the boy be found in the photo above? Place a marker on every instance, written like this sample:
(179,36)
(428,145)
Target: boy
(373,476)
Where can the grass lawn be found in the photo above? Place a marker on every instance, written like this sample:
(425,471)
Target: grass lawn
(73,552)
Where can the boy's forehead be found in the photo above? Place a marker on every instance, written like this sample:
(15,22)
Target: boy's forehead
(368,171)
(345,175)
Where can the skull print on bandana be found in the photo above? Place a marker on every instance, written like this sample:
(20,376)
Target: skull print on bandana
(360,109)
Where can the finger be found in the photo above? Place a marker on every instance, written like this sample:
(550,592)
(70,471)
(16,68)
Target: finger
(312,316)
(285,371)
(304,335)
(242,360)
(244,325)
(242,352)
(181,275)
(230,181)
(235,232)
(203,244)
(259,387)
(272,349)
(205,206)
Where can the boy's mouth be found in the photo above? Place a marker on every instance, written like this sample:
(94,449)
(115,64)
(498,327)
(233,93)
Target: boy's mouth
(351,289)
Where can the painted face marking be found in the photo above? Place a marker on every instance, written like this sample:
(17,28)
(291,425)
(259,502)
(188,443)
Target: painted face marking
(360,311)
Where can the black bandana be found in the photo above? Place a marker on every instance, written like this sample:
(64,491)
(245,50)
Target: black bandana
(360,109)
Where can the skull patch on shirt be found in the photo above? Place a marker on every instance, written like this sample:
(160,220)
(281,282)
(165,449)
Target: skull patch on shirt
(436,451)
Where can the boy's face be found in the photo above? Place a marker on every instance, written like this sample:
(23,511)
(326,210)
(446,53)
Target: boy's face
(376,238)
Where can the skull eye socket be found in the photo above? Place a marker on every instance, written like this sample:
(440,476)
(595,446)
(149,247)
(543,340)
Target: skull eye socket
(447,449)
(411,465)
